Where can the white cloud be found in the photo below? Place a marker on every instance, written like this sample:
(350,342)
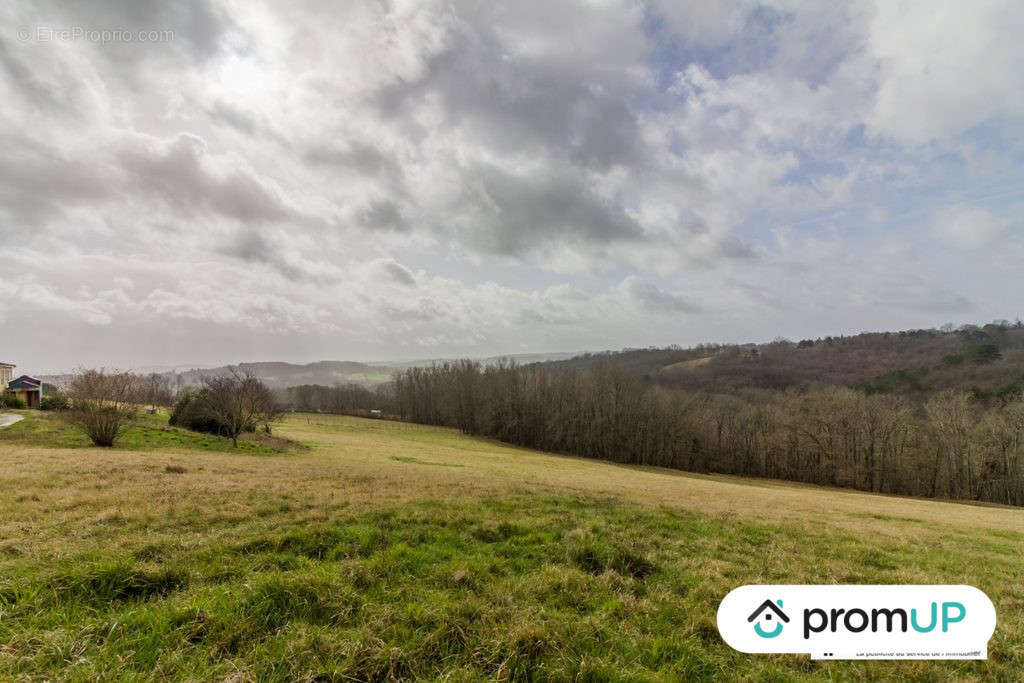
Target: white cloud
(369,178)
(969,227)
(946,66)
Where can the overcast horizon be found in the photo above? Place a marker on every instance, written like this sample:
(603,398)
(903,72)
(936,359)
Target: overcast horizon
(209,182)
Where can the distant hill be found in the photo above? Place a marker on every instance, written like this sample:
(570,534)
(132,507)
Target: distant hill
(520,358)
(280,375)
(987,360)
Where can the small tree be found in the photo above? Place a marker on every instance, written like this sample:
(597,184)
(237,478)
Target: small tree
(102,404)
(156,390)
(238,402)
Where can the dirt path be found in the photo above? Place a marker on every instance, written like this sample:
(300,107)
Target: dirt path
(7,419)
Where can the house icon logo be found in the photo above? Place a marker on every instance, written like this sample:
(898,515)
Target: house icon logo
(766,613)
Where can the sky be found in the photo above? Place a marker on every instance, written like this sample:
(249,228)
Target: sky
(202,182)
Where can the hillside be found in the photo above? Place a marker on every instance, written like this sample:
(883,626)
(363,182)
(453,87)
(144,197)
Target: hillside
(987,360)
(281,375)
(328,373)
(394,551)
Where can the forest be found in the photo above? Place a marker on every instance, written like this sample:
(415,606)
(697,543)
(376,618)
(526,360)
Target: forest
(935,413)
(949,446)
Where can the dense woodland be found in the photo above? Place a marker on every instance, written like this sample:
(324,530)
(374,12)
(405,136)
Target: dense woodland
(349,399)
(927,412)
(951,445)
(924,412)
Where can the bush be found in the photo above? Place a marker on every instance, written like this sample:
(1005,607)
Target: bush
(54,402)
(227,405)
(984,353)
(102,404)
(190,413)
(12,401)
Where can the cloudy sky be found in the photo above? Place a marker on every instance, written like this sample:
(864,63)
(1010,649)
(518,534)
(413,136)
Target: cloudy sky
(211,181)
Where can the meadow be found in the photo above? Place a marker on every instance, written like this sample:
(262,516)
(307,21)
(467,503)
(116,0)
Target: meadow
(375,550)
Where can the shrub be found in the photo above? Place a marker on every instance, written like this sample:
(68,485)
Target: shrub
(227,405)
(984,353)
(189,413)
(102,404)
(12,401)
(239,402)
(54,402)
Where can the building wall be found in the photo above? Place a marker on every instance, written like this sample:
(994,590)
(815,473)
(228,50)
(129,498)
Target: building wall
(6,375)
(31,397)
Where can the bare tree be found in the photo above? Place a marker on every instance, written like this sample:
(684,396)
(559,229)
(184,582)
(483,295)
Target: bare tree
(239,402)
(952,444)
(951,417)
(156,391)
(102,403)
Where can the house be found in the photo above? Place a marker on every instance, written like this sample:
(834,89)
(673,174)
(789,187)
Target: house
(6,373)
(28,389)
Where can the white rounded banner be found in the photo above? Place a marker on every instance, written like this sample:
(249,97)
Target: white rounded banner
(859,622)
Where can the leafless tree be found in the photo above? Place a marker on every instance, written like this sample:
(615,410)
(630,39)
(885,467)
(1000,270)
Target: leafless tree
(949,445)
(239,402)
(156,390)
(102,403)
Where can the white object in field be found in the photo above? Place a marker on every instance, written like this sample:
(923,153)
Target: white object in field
(6,419)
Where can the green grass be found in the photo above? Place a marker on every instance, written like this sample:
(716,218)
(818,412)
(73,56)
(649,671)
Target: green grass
(520,588)
(146,432)
(360,560)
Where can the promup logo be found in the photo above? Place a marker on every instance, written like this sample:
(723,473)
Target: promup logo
(766,612)
(860,622)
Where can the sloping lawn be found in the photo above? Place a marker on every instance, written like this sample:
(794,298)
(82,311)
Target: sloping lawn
(370,557)
(146,432)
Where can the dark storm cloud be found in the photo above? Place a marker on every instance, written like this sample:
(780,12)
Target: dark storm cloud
(252,246)
(235,117)
(382,215)
(658,300)
(38,182)
(356,156)
(177,172)
(515,102)
(399,273)
(513,214)
(732,247)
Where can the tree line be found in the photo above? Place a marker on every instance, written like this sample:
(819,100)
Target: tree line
(948,446)
(103,404)
(347,399)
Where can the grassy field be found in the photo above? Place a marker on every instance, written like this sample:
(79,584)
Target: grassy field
(148,431)
(389,550)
